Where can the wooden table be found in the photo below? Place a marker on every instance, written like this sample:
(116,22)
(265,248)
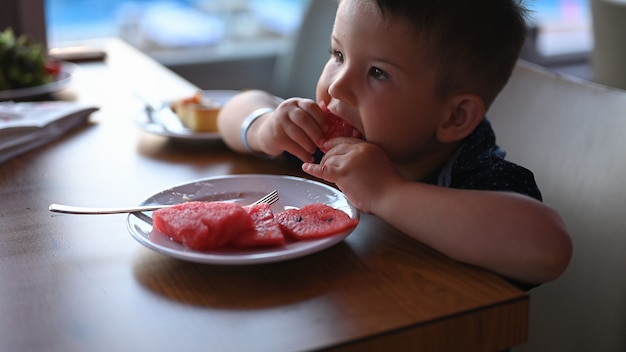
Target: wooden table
(82,283)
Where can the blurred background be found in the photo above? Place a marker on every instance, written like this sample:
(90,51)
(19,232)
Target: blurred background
(160,28)
(202,39)
(236,44)
(215,44)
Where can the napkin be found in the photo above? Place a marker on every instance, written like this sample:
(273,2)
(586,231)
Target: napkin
(27,125)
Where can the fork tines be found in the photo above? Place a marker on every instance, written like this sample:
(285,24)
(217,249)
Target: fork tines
(270,198)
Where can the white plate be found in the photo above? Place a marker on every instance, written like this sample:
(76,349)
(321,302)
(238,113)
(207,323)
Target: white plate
(243,189)
(156,124)
(63,78)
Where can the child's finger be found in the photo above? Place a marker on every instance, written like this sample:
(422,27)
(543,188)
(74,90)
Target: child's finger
(326,145)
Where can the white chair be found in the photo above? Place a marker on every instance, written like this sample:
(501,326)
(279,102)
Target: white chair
(608,57)
(297,72)
(571,133)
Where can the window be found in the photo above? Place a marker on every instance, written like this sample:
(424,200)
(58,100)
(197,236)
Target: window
(562,31)
(179,31)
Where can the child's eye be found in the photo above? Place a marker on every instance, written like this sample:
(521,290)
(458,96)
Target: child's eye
(338,55)
(378,73)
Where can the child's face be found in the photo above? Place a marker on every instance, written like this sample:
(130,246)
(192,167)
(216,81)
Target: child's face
(378,80)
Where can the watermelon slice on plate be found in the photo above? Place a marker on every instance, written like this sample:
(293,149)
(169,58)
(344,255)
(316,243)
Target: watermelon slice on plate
(314,221)
(267,231)
(203,225)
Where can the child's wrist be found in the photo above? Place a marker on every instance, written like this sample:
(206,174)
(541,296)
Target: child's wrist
(247,123)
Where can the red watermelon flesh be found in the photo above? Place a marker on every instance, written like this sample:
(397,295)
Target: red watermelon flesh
(314,221)
(203,225)
(338,127)
(268,232)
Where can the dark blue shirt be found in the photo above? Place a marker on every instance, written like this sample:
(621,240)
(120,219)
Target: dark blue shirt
(480,164)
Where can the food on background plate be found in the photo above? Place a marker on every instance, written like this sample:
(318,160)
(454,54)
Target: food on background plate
(206,226)
(24,63)
(197,113)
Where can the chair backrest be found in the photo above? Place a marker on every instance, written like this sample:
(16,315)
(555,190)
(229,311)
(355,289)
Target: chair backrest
(608,18)
(297,72)
(572,134)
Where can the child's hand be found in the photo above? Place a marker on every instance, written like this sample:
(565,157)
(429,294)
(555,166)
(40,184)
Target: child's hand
(296,126)
(361,170)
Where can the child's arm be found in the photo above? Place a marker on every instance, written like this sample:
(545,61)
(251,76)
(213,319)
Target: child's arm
(513,235)
(294,125)
(232,115)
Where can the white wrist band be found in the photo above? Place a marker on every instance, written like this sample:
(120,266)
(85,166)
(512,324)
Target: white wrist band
(248,121)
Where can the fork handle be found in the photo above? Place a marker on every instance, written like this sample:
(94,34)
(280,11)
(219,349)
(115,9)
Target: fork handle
(69,209)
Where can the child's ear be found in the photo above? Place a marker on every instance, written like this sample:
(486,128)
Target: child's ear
(466,112)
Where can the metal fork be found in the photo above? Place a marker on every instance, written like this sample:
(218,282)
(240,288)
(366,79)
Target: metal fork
(270,198)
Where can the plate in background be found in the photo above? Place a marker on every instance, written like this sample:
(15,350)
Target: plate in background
(164,122)
(64,77)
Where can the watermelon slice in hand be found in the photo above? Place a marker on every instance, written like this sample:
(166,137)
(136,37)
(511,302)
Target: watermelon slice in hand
(338,127)
(314,221)
(203,225)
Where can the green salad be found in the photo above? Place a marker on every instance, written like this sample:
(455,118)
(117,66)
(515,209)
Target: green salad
(22,62)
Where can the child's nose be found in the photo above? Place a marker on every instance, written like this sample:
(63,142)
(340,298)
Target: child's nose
(342,86)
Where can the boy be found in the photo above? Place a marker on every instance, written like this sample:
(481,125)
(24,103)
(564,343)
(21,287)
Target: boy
(416,78)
